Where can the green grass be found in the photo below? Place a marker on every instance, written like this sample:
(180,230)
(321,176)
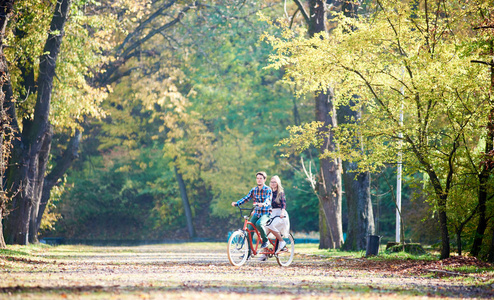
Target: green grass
(313,249)
(471,269)
(403,256)
(8,252)
(16,250)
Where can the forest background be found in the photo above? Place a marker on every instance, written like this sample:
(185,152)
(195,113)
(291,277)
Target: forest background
(172,108)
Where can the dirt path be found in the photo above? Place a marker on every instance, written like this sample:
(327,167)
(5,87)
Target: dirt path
(202,271)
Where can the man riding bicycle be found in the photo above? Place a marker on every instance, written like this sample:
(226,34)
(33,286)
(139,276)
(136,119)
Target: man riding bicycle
(261,195)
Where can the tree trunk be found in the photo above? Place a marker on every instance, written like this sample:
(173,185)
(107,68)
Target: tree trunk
(324,235)
(442,195)
(3,199)
(42,162)
(484,175)
(7,123)
(360,213)
(443,224)
(357,191)
(458,241)
(482,198)
(490,255)
(186,204)
(329,185)
(31,151)
(296,115)
(2,240)
(329,179)
(440,192)
(442,198)
(6,8)
(459,229)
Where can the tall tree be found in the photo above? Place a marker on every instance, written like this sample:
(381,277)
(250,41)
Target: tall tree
(443,98)
(486,23)
(329,187)
(32,144)
(357,184)
(6,9)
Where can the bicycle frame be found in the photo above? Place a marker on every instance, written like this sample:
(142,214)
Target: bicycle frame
(245,228)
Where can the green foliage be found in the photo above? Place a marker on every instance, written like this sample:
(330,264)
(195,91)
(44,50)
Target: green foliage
(304,136)
(302,203)
(27,34)
(383,101)
(50,215)
(113,203)
(231,87)
(198,97)
(87,38)
(233,174)
(206,106)
(242,103)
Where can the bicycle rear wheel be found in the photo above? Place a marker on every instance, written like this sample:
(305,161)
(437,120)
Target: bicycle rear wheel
(238,248)
(285,256)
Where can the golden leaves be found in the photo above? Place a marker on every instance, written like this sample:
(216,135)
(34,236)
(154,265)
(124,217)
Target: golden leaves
(394,67)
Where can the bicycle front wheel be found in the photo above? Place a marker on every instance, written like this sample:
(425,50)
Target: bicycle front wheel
(238,248)
(285,256)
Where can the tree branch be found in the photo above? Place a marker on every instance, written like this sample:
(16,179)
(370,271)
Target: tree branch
(141,27)
(177,19)
(303,11)
(128,52)
(482,62)
(483,27)
(70,154)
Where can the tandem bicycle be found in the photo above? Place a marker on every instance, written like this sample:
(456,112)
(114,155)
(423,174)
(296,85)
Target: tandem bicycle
(241,245)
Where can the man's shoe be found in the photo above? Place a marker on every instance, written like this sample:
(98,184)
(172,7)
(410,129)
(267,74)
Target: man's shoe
(262,257)
(264,245)
(281,245)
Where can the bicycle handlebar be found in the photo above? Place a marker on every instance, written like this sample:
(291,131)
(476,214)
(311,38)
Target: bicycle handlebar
(249,209)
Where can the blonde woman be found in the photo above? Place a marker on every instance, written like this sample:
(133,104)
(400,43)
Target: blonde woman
(279,223)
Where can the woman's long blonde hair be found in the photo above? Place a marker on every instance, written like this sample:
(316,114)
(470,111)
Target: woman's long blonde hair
(280,188)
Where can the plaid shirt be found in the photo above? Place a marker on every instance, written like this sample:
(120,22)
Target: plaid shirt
(260,195)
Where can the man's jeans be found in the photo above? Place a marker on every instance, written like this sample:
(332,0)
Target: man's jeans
(260,222)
